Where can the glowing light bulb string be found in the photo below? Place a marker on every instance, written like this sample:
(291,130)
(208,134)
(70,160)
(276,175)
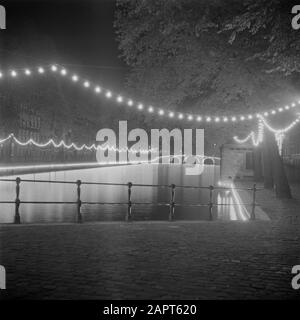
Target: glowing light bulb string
(55,68)
(93,147)
(104,147)
(279,133)
(255,138)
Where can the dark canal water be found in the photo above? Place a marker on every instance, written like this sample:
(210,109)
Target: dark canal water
(140,174)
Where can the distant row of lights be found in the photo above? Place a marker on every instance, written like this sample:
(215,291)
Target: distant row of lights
(140,106)
(279,133)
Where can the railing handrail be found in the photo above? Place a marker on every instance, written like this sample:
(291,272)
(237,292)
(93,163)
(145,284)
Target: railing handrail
(133,184)
(171,204)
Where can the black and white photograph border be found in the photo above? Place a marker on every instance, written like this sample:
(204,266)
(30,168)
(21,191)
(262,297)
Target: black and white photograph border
(149,150)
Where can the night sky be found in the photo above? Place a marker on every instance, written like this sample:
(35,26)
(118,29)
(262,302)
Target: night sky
(81,31)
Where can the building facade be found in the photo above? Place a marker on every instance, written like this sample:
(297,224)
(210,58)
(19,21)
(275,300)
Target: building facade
(237,162)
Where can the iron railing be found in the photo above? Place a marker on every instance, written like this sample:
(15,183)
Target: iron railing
(171,204)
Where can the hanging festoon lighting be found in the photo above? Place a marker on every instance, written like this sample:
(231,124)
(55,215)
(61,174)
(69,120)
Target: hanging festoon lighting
(278,133)
(211,119)
(75,78)
(108,94)
(62,143)
(63,72)
(13,73)
(256,139)
(41,70)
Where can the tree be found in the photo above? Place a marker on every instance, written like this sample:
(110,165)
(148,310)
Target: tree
(266,26)
(280,182)
(182,56)
(209,57)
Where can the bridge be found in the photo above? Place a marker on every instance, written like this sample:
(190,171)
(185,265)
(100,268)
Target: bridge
(30,156)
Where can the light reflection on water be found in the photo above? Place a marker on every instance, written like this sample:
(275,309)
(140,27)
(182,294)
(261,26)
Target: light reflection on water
(141,174)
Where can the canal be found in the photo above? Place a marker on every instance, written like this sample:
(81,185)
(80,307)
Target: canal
(140,174)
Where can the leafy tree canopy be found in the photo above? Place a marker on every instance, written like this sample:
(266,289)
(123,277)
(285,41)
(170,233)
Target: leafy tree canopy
(210,57)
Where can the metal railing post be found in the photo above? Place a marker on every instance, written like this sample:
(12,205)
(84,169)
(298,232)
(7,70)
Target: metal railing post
(210,205)
(129,208)
(252,217)
(17,219)
(79,216)
(172,203)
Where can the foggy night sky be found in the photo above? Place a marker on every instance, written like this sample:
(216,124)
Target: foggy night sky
(82,32)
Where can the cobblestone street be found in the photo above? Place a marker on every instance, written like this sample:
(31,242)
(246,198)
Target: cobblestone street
(155,260)
(150,260)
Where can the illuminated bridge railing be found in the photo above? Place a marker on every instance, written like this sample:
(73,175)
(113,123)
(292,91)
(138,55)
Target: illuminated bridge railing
(130,186)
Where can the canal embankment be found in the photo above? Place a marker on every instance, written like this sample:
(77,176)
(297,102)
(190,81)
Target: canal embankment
(12,169)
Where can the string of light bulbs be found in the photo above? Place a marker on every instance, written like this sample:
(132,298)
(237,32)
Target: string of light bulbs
(256,139)
(279,134)
(62,143)
(139,106)
(93,147)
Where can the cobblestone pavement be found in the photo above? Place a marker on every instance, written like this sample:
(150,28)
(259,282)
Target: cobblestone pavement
(155,260)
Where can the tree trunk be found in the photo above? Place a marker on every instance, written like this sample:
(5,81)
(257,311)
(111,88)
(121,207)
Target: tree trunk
(257,159)
(282,188)
(267,168)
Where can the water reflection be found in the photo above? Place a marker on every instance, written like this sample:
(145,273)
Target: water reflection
(139,174)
